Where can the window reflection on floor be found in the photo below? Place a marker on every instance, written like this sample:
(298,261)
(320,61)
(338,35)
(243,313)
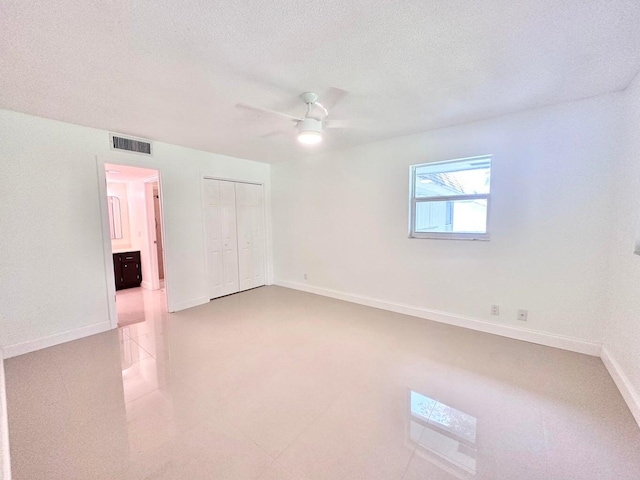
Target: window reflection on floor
(444,435)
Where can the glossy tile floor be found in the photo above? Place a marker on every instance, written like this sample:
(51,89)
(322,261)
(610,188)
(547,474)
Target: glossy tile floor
(278,384)
(134,305)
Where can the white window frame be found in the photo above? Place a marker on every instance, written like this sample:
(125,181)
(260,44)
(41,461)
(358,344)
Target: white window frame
(447,235)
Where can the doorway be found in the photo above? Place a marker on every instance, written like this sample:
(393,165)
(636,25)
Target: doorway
(133,197)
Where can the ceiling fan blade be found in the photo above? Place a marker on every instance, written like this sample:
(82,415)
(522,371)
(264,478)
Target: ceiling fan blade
(276,133)
(361,123)
(332,97)
(265,111)
(338,123)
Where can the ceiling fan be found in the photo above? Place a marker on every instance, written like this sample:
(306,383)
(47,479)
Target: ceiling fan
(311,126)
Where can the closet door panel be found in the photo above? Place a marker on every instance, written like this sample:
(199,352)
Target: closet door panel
(213,237)
(245,262)
(250,235)
(258,243)
(235,237)
(229,237)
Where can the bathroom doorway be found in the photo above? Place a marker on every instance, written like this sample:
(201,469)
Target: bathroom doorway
(134,253)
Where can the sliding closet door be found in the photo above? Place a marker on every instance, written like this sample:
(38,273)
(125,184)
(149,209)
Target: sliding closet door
(229,238)
(213,236)
(251,236)
(221,237)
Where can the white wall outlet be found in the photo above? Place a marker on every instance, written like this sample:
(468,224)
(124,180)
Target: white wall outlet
(305,276)
(522,315)
(495,309)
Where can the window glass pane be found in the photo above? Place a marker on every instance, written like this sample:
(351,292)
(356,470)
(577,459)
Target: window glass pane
(459,216)
(466,177)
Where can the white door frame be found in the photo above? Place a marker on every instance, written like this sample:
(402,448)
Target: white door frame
(151,229)
(106,235)
(266,220)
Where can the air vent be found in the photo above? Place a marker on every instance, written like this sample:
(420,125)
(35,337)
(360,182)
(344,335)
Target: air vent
(130,144)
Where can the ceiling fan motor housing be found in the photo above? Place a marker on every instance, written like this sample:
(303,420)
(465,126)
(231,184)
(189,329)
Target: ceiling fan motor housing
(310,125)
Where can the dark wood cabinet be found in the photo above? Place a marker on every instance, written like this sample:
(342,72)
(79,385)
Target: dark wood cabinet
(127,270)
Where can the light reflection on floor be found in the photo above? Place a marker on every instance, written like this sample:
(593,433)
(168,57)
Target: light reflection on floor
(445,436)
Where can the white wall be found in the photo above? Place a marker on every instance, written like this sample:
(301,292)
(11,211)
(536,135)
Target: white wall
(622,329)
(343,219)
(52,271)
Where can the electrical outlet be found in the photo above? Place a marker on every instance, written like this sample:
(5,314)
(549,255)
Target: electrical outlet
(495,309)
(522,315)
(305,276)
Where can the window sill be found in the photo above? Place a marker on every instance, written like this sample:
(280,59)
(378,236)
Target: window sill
(483,237)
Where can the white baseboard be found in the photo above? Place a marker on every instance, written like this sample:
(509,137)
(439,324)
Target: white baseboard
(542,338)
(5,460)
(58,338)
(146,285)
(176,307)
(623,383)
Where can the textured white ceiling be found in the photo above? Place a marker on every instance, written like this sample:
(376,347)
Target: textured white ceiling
(173,71)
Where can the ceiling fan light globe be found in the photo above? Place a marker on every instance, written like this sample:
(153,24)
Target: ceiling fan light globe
(310,131)
(310,137)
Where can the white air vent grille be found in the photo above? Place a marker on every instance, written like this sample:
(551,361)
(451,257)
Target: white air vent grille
(130,144)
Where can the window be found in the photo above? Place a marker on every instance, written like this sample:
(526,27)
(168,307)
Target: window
(451,199)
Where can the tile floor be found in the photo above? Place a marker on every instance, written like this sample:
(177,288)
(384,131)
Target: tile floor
(134,305)
(278,384)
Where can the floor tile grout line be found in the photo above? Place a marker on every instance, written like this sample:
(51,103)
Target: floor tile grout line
(142,348)
(138,345)
(168,383)
(406,468)
(315,421)
(311,424)
(133,337)
(141,396)
(273,459)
